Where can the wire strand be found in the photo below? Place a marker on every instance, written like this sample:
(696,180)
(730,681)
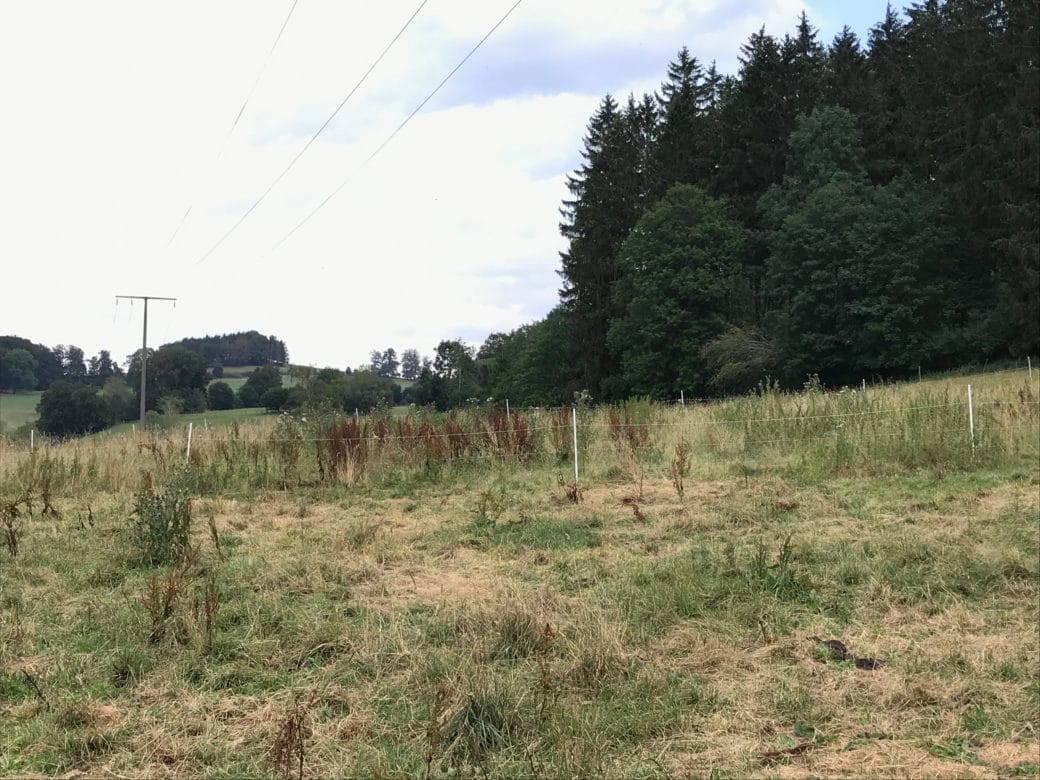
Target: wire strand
(312,139)
(397,130)
(223,147)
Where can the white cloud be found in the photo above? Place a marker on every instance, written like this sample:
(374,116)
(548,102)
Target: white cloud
(114,114)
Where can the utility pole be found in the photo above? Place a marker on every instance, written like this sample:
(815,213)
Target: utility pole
(144,339)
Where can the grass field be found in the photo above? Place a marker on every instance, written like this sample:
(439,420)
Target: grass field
(200,420)
(236,376)
(18,409)
(436,596)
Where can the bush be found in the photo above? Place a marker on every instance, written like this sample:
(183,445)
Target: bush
(119,398)
(170,405)
(221,396)
(248,396)
(263,379)
(71,409)
(194,400)
(275,399)
(162,524)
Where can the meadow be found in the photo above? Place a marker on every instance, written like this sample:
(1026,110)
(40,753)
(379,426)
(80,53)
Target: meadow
(17,409)
(436,595)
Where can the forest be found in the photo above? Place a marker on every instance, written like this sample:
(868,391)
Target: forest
(829,213)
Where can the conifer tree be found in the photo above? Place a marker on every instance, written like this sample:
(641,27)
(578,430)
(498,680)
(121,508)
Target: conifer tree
(606,203)
(846,78)
(885,135)
(804,64)
(679,152)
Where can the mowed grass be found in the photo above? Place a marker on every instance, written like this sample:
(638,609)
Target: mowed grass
(469,618)
(17,409)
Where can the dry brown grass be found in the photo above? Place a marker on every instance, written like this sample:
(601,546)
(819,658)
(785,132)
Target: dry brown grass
(601,642)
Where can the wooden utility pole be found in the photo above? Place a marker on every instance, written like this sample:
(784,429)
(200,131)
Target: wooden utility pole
(144,339)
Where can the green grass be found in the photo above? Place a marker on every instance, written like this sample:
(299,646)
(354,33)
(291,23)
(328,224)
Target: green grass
(236,376)
(17,410)
(197,419)
(467,618)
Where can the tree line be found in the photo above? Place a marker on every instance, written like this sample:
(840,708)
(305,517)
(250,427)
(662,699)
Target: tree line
(248,348)
(830,212)
(82,395)
(26,365)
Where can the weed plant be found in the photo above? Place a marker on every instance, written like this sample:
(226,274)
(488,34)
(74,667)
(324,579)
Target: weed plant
(161,527)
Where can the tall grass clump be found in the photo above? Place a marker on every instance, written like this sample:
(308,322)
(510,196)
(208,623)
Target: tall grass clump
(162,523)
(880,430)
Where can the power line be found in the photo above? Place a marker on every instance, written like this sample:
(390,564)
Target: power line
(230,132)
(313,138)
(400,127)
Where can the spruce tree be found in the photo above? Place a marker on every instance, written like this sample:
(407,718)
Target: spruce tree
(755,124)
(606,203)
(889,147)
(679,151)
(804,63)
(846,78)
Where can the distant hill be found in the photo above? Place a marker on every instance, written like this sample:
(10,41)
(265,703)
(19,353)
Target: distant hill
(249,348)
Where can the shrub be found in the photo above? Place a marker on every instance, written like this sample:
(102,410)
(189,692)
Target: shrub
(162,524)
(248,396)
(69,409)
(220,396)
(275,399)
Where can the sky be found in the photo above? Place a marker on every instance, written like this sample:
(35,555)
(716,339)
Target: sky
(118,117)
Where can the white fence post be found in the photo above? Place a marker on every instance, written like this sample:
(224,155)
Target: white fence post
(1029,365)
(682,398)
(187,453)
(971,420)
(357,417)
(32,440)
(574,428)
(507,409)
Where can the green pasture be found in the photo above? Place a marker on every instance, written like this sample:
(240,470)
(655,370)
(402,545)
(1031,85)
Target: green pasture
(17,410)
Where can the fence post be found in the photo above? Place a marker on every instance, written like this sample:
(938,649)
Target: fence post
(971,421)
(507,409)
(574,428)
(864,385)
(357,417)
(32,440)
(1029,365)
(682,398)
(187,454)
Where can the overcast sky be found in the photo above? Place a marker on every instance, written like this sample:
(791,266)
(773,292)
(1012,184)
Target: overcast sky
(114,114)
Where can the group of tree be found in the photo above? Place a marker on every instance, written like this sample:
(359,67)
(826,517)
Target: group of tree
(25,365)
(841,210)
(75,404)
(83,395)
(249,348)
(387,364)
